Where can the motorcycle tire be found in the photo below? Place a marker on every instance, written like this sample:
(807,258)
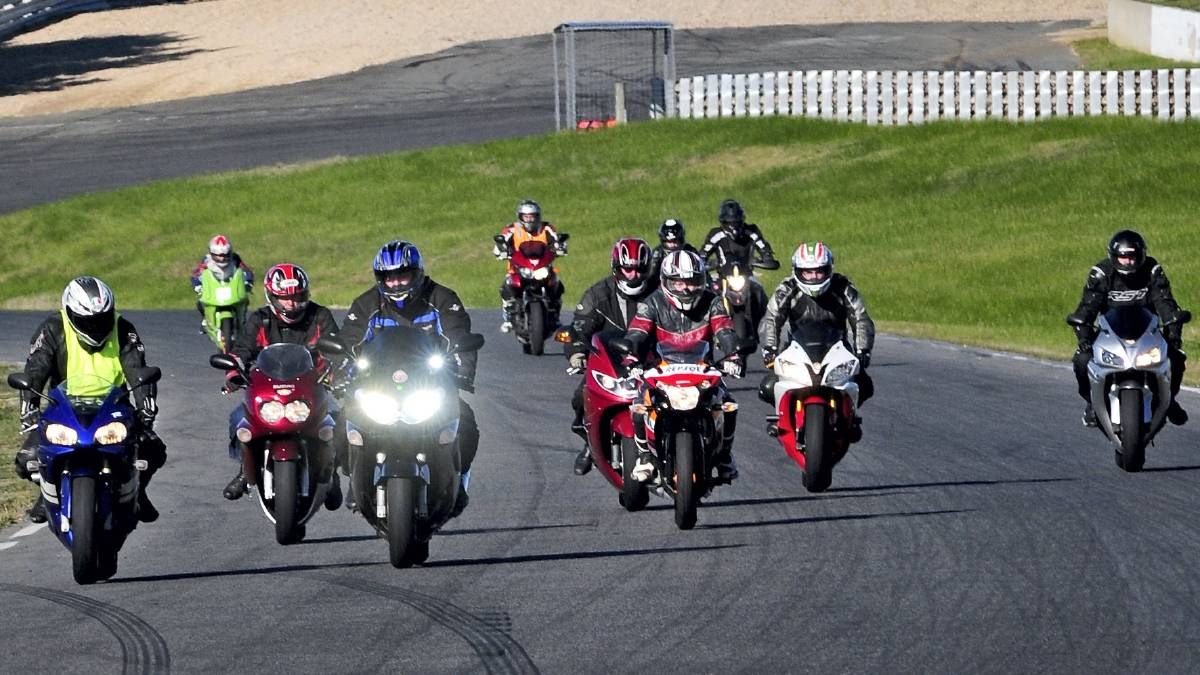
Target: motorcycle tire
(286,476)
(1132,455)
(537,328)
(818,469)
(401,516)
(84,547)
(687,488)
(226,334)
(634,495)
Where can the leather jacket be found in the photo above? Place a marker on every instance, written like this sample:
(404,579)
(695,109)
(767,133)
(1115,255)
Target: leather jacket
(602,308)
(728,249)
(675,330)
(840,304)
(1105,288)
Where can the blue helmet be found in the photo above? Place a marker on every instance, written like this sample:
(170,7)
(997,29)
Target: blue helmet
(398,257)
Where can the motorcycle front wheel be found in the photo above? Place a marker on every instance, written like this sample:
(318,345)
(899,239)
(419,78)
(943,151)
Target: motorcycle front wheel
(84,547)
(634,495)
(401,507)
(287,491)
(1132,455)
(687,490)
(536,318)
(818,473)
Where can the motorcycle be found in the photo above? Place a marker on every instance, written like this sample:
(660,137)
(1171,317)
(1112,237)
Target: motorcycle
(744,298)
(685,417)
(87,467)
(285,437)
(1131,378)
(535,278)
(816,399)
(402,431)
(224,300)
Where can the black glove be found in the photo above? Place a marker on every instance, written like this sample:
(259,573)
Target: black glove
(864,359)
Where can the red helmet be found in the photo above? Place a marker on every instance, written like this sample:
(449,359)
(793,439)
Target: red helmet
(286,281)
(220,247)
(631,265)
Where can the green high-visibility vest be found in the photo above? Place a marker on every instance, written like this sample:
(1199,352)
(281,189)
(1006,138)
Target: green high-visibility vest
(217,293)
(92,374)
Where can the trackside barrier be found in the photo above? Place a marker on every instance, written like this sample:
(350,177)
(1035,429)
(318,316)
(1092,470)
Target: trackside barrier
(19,16)
(914,97)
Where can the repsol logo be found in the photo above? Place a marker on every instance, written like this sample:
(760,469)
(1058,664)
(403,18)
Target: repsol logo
(1126,296)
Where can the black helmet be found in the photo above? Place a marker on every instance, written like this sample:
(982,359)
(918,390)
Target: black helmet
(671,233)
(731,213)
(89,305)
(1129,246)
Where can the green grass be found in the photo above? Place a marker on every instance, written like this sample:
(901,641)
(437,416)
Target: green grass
(16,494)
(1100,54)
(978,233)
(1181,4)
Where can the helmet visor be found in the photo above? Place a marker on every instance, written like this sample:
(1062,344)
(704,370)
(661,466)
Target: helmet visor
(400,279)
(94,329)
(813,275)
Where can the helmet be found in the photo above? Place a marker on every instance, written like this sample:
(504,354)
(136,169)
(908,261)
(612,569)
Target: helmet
(529,207)
(89,305)
(286,281)
(682,278)
(732,215)
(671,233)
(1128,245)
(812,266)
(631,265)
(220,248)
(398,259)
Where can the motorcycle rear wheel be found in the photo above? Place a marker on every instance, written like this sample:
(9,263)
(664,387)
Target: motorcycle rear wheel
(818,473)
(1132,455)
(84,548)
(287,491)
(687,491)
(537,328)
(401,503)
(634,495)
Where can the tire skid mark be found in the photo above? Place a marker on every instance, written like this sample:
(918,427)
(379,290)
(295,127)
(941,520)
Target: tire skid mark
(487,635)
(143,650)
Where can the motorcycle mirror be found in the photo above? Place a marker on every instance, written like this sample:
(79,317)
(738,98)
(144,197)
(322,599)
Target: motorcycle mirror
(499,239)
(621,346)
(563,236)
(145,376)
(223,362)
(1184,316)
(563,336)
(767,264)
(20,381)
(746,346)
(331,346)
(473,342)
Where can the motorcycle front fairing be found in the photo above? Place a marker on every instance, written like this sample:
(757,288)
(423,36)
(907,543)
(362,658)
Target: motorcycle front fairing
(1130,352)
(606,398)
(816,367)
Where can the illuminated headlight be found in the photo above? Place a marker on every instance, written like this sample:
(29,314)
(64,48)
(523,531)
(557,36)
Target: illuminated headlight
(1110,359)
(682,398)
(836,377)
(624,388)
(57,434)
(271,412)
(737,283)
(1150,358)
(381,408)
(113,432)
(362,364)
(296,411)
(540,273)
(420,405)
(436,362)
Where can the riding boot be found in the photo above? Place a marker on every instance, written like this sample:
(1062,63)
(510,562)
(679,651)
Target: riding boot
(236,487)
(460,503)
(583,461)
(37,511)
(146,512)
(333,498)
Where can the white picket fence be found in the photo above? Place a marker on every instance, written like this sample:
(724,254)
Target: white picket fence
(897,97)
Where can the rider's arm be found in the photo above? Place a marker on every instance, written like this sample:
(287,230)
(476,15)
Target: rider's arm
(1164,304)
(709,248)
(643,324)
(584,325)
(860,322)
(760,242)
(777,311)
(246,271)
(724,337)
(456,325)
(196,273)
(42,363)
(1095,298)
(133,357)
(245,344)
(358,318)
(506,233)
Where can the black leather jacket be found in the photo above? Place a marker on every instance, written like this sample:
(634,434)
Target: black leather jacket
(602,308)
(675,330)
(840,304)
(263,328)
(660,252)
(729,249)
(1105,288)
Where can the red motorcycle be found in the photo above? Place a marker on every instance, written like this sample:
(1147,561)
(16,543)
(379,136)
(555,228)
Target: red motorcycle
(285,436)
(533,276)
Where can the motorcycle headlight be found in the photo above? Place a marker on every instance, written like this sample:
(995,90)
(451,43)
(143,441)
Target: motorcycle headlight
(836,377)
(1150,358)
(625,388)
(57,434)
(737,283)
(1110,359)
(524,272)
(271,412)
(111,433)
(296,411)
(420,405)
(381,408)
(541,273)
(436,362)
(682,398)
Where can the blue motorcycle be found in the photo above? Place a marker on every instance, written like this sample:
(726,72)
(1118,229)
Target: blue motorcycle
(87,467)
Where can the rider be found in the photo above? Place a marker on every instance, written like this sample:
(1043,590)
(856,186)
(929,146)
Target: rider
(736,241)
(671,237)
(681,313)
(288,317)
(223,263)
(528,226)
(1128,277)
(88,337)
(814,293)
(606,306)
(404,296)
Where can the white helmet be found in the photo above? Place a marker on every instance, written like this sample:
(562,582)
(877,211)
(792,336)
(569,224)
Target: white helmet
(219,245)
(682,279)
(812,266)
(529,207)
(89,305)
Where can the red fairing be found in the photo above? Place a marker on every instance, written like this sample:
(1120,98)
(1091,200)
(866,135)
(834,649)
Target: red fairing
(604,412)
(531,256)
(790,409)
(284,450)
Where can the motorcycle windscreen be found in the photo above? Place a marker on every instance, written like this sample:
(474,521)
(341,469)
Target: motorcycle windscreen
(1128,323)
(284,361)
(695,352)
(86,394)
(534,250)
(817,337)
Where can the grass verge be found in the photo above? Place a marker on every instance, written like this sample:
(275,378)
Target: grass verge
(978,233)
(15,494)
(1193,5)
(1100,54)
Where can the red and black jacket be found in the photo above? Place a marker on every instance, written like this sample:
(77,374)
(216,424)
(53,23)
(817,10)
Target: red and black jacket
(263,328)
(676,330)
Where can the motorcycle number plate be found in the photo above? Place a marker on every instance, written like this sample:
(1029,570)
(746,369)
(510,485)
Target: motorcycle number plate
(682,369)
(224,294)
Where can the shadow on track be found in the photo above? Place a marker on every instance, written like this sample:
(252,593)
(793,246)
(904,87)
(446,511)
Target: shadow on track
(523,528)
(52,66)
(334,540)
(581,555)
(825,519)
(240,573)
(668,506)
(1157,469)
(951,483)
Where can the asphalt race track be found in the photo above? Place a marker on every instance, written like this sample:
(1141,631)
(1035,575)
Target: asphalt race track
(976,528)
